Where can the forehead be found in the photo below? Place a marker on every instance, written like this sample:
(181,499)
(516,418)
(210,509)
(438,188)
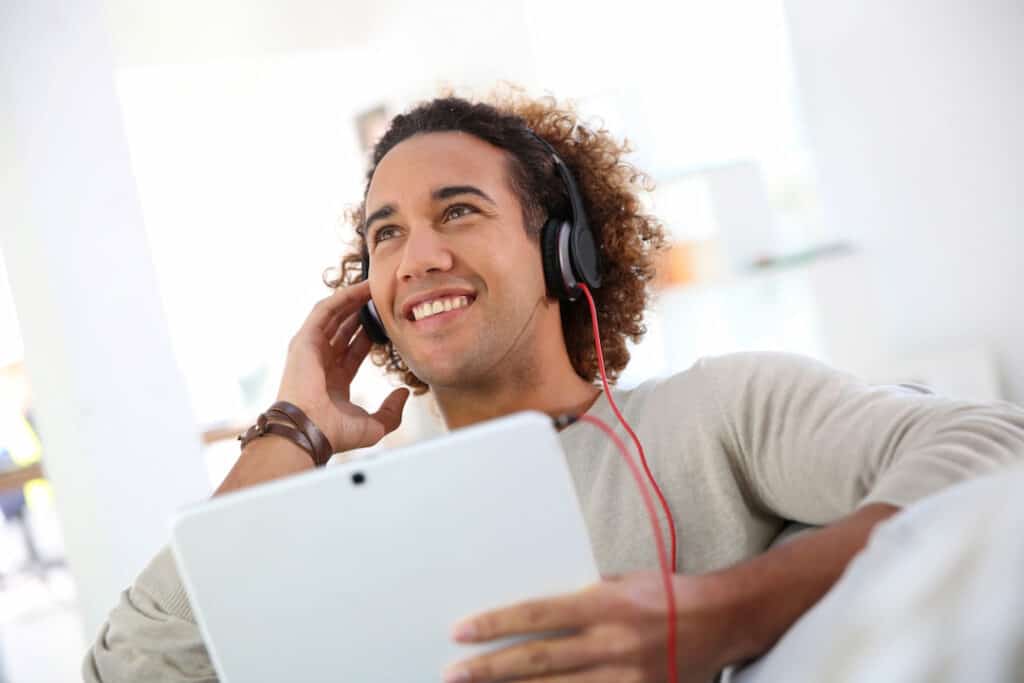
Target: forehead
(420,164)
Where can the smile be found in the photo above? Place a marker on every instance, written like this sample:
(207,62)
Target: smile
(434,307)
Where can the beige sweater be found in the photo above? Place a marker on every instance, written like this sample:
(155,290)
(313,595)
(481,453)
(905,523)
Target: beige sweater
(739,444)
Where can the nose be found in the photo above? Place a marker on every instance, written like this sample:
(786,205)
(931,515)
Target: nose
(424,252)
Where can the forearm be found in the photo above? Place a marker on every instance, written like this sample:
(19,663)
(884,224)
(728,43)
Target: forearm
(771,591)
(263,459)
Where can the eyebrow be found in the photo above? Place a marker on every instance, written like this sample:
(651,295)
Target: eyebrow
(454,190)
(383,212)
(446,192)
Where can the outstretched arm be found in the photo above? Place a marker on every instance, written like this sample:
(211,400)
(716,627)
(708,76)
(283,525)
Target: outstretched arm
(615,630)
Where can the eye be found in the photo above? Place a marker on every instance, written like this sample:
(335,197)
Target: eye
(456,211)
(385,233)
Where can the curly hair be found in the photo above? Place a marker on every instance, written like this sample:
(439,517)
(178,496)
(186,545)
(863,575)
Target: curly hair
(629,239)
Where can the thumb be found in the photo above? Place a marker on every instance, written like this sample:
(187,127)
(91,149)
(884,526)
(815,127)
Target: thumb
(389,415)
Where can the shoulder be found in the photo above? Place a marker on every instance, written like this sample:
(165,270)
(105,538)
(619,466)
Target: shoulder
(764,363)
(765,371)
(734,387)
(733,370)
(716,387)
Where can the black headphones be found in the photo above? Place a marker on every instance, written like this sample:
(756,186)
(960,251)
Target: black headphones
(569,252)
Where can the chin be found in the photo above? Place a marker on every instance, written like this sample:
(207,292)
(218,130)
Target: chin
(448,368)
(466,358)
(439,373)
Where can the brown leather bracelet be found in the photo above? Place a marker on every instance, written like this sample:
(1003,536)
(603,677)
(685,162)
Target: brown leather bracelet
(264,426)
(322,449)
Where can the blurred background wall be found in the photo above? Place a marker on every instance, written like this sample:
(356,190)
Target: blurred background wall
(839,179)
(914,113)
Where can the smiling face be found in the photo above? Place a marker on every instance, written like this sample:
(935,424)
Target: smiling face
(455,277)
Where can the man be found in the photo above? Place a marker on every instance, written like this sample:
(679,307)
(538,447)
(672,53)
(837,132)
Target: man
(740,445)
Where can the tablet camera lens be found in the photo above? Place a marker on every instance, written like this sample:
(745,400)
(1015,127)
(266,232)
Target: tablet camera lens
(358,478)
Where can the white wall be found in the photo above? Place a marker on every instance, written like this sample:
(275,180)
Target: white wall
(915,113)
(119,442)
(245,167)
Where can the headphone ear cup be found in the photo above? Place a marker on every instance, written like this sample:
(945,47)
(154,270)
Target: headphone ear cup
(368,313)
(371,323)
(549,256)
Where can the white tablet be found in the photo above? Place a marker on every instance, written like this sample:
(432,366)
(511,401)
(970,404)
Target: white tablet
(357,572)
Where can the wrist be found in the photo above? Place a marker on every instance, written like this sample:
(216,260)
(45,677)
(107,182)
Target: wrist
(286,452)
(288,420)
(315,413)
(264,459)
(729,600)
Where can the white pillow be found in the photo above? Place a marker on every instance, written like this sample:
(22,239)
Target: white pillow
(938,594)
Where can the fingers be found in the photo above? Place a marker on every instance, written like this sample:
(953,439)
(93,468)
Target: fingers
(350,359)
(389,415)
(343,302)
(547,614)
(602,675)
(384,421)
(340,330)
(333,325)
(535,659)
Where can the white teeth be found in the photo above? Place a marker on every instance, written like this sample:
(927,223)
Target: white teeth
(429,308)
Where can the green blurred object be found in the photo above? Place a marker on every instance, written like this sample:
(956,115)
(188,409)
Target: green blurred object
(799,258)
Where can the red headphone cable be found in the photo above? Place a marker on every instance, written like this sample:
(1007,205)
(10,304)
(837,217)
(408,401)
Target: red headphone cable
(666,573)
(667,570)
(625,424)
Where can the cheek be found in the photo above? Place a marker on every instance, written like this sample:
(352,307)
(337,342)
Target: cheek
(517,257)
(528,269)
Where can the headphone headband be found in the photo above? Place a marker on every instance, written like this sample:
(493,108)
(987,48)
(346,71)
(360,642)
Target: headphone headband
(579,247)
(579,216)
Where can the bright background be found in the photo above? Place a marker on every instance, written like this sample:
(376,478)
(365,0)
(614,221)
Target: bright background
(840,179)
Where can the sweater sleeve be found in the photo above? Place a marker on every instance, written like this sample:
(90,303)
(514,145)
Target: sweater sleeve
(811,444)
(151,634)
